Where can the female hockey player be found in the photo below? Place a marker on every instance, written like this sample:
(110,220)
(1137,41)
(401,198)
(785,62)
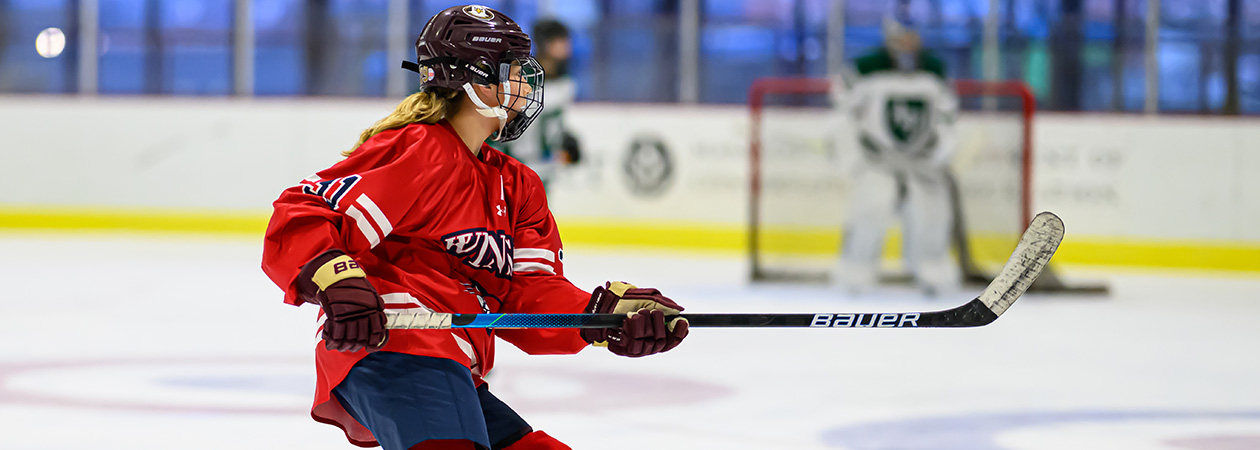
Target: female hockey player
(423,215)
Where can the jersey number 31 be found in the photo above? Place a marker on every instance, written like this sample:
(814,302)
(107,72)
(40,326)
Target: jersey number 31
(331,190)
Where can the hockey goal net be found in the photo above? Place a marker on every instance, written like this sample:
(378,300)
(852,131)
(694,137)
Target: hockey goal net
(803,157)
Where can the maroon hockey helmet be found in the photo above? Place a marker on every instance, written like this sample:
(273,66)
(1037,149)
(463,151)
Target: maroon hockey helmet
(475,44)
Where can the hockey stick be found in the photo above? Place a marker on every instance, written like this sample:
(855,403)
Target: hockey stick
(1031,255)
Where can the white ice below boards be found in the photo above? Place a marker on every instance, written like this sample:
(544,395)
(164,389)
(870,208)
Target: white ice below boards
(121,343)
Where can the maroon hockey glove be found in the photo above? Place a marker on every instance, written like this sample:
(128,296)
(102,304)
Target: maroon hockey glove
(645,330)
(355,313)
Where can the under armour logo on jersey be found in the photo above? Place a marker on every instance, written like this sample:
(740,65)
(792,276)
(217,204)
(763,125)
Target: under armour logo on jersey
(480,248)
(331,190)
(500,209)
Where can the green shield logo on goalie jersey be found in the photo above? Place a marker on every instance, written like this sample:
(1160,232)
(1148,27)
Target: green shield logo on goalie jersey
(907,118)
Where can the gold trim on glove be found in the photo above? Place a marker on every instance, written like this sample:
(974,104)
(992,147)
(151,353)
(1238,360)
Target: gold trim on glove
(620,287)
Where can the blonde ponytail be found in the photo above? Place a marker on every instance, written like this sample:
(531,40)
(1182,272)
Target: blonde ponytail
(427,106)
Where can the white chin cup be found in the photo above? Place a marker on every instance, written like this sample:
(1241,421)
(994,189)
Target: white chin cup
(486,110)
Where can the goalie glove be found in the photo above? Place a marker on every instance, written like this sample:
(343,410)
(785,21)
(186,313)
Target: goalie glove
(645,330)
(355,313)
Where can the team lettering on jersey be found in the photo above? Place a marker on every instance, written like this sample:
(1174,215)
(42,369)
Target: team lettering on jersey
(331,190)
(483,249)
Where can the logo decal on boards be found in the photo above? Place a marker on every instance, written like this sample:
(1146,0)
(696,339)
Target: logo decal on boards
(648,166)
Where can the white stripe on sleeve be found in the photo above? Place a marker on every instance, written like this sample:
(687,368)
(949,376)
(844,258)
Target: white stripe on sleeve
(401,298)
(377,215)
(525,267)
(534,253)
(365,227)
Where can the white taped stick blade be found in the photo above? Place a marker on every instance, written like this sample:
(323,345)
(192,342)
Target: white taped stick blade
(1030,257)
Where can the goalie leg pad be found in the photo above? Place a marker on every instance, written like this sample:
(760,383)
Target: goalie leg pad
(871,205)
(928,221)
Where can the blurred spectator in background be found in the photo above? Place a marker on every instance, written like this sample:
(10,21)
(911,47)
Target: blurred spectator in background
(548,145)
(903,110)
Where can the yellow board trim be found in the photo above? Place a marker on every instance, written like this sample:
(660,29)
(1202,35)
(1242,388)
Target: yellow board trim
(814,242)
(134,220)
(685,236)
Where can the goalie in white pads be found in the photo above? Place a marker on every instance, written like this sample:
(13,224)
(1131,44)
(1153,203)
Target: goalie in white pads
(903,111)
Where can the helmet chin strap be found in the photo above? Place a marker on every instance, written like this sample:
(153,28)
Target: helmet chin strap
(488,111)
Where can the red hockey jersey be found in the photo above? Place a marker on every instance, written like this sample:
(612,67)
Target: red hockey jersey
(435,227)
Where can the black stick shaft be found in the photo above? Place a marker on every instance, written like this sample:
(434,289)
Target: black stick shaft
(972,314)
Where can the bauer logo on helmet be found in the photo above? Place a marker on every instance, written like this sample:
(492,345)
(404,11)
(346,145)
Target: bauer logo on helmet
(478,11)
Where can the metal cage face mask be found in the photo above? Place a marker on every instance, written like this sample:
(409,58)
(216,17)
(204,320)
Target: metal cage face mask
(521,82)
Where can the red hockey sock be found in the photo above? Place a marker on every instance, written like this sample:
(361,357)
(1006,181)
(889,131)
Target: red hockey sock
(538,440)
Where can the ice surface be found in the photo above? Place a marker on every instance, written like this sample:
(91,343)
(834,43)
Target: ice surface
(173,342)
